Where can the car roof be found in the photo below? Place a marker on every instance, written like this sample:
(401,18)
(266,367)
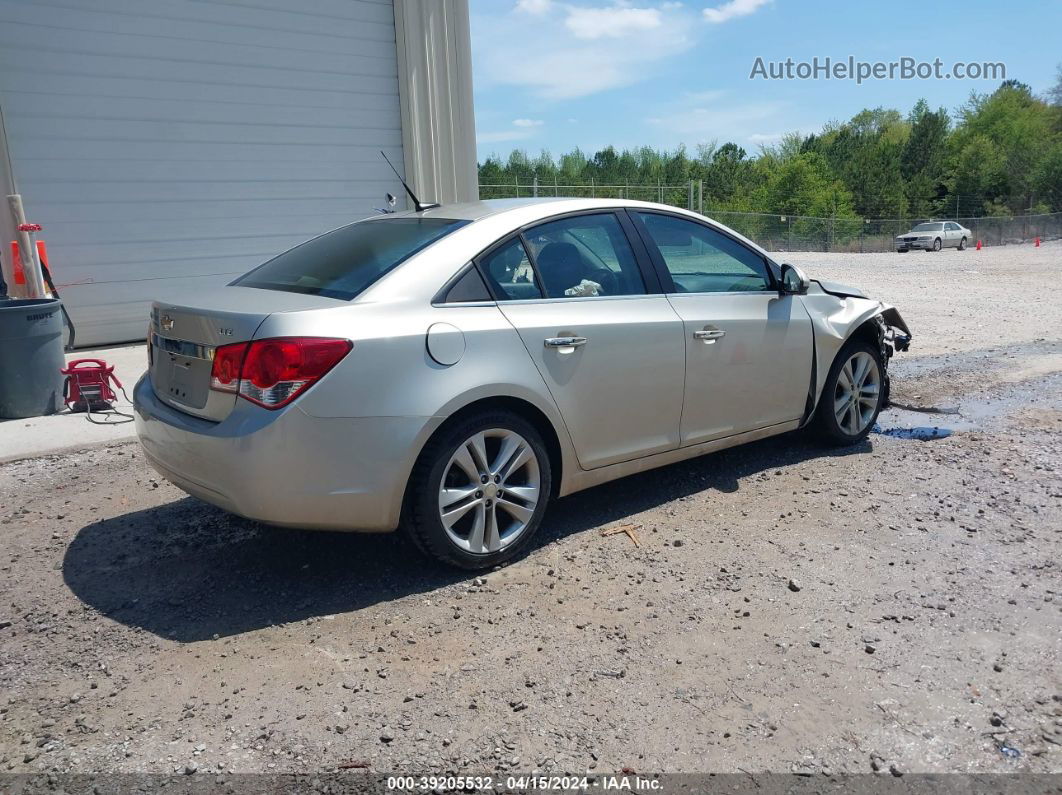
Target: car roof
(475,211)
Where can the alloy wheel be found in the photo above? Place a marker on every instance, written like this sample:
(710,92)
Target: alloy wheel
(490,488)
(856,395)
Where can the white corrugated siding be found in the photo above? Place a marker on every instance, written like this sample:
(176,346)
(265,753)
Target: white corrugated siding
(176,143)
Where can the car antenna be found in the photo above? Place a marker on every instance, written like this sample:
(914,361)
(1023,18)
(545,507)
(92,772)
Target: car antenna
(417,203)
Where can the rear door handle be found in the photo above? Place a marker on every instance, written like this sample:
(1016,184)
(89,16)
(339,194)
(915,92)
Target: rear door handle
(709,335)
(565,342)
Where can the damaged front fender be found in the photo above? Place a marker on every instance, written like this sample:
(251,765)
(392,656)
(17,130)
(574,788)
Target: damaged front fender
(891,316)
(836,319)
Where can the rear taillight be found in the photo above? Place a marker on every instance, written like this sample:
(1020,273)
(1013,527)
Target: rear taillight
(225,374)
(273,372)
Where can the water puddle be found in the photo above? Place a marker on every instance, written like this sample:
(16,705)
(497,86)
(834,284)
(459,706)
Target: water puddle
(922,433)
(1030,380)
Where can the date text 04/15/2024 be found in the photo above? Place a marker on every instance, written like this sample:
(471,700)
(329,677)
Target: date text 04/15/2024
(616,783)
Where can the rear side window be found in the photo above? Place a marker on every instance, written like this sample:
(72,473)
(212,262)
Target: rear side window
(469,287)
(510,273)
(343,262)
(584,256)
(702,260)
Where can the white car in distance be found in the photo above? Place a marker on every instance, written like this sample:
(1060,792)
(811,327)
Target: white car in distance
(933,236)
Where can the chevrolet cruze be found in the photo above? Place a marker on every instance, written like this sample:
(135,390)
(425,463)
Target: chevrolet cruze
(450,371)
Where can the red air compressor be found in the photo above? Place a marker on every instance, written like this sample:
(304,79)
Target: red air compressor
(88,387)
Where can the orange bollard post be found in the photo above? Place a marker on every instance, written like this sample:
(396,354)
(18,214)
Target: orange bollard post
(16,264)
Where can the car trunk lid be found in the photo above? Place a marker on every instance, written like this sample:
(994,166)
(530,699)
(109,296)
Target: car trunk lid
(184,335)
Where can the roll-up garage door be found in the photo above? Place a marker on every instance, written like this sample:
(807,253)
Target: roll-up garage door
(169,145)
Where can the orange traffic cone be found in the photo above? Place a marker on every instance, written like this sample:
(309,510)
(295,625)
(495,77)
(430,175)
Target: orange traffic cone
(1037,242)
(978,245)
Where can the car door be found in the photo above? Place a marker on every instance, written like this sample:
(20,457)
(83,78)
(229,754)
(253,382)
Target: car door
(749,348)
(607,342)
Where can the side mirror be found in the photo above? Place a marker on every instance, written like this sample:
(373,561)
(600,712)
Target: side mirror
(794,280)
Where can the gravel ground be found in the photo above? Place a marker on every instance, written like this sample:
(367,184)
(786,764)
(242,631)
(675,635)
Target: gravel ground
(890,607)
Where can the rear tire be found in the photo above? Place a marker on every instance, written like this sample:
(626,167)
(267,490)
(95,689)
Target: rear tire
(962,244)
(852,396)
(479,490)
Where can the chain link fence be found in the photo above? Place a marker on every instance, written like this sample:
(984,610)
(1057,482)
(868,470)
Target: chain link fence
(796,232)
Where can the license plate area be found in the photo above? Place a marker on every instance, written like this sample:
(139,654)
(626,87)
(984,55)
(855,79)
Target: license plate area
(180,371)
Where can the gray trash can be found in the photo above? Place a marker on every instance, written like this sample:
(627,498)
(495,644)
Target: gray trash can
(31,356)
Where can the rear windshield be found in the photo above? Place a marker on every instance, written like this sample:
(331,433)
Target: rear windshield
(343,262)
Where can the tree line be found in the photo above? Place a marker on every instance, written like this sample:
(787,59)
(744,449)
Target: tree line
(1000,154)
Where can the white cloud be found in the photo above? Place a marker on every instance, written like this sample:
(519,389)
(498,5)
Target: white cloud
(708,116)
(527,122)
(570,51)
(615,22)
(702,97)
(733,8)
(534,6)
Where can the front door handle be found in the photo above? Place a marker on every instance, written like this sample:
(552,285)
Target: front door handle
(709,335)
(565,342)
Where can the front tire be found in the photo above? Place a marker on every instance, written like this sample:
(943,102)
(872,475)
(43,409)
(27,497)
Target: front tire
(479,490)
(936,244)
(852,395)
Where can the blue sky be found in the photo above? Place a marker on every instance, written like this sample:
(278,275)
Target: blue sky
(554,75)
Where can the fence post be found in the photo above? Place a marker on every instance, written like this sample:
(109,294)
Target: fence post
(700,196)
(534,186)
(517,184)
(789,233)
(862,232)
(593,192)
(689,199)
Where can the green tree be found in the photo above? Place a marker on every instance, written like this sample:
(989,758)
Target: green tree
(1054,93)
(1002,153)
(1015,131)
(923,158)
(803,185)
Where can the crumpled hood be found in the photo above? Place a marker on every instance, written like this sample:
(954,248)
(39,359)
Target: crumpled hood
(840,290)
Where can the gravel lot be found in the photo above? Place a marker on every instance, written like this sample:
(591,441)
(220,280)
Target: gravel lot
(890,607)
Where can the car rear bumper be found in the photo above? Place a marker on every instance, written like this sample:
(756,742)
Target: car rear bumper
(285,467)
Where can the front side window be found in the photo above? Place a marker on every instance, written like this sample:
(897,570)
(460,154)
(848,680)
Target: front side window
(585,256)
(702,260)
(343,262)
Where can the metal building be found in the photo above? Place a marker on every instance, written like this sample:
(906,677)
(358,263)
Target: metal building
(172,144)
